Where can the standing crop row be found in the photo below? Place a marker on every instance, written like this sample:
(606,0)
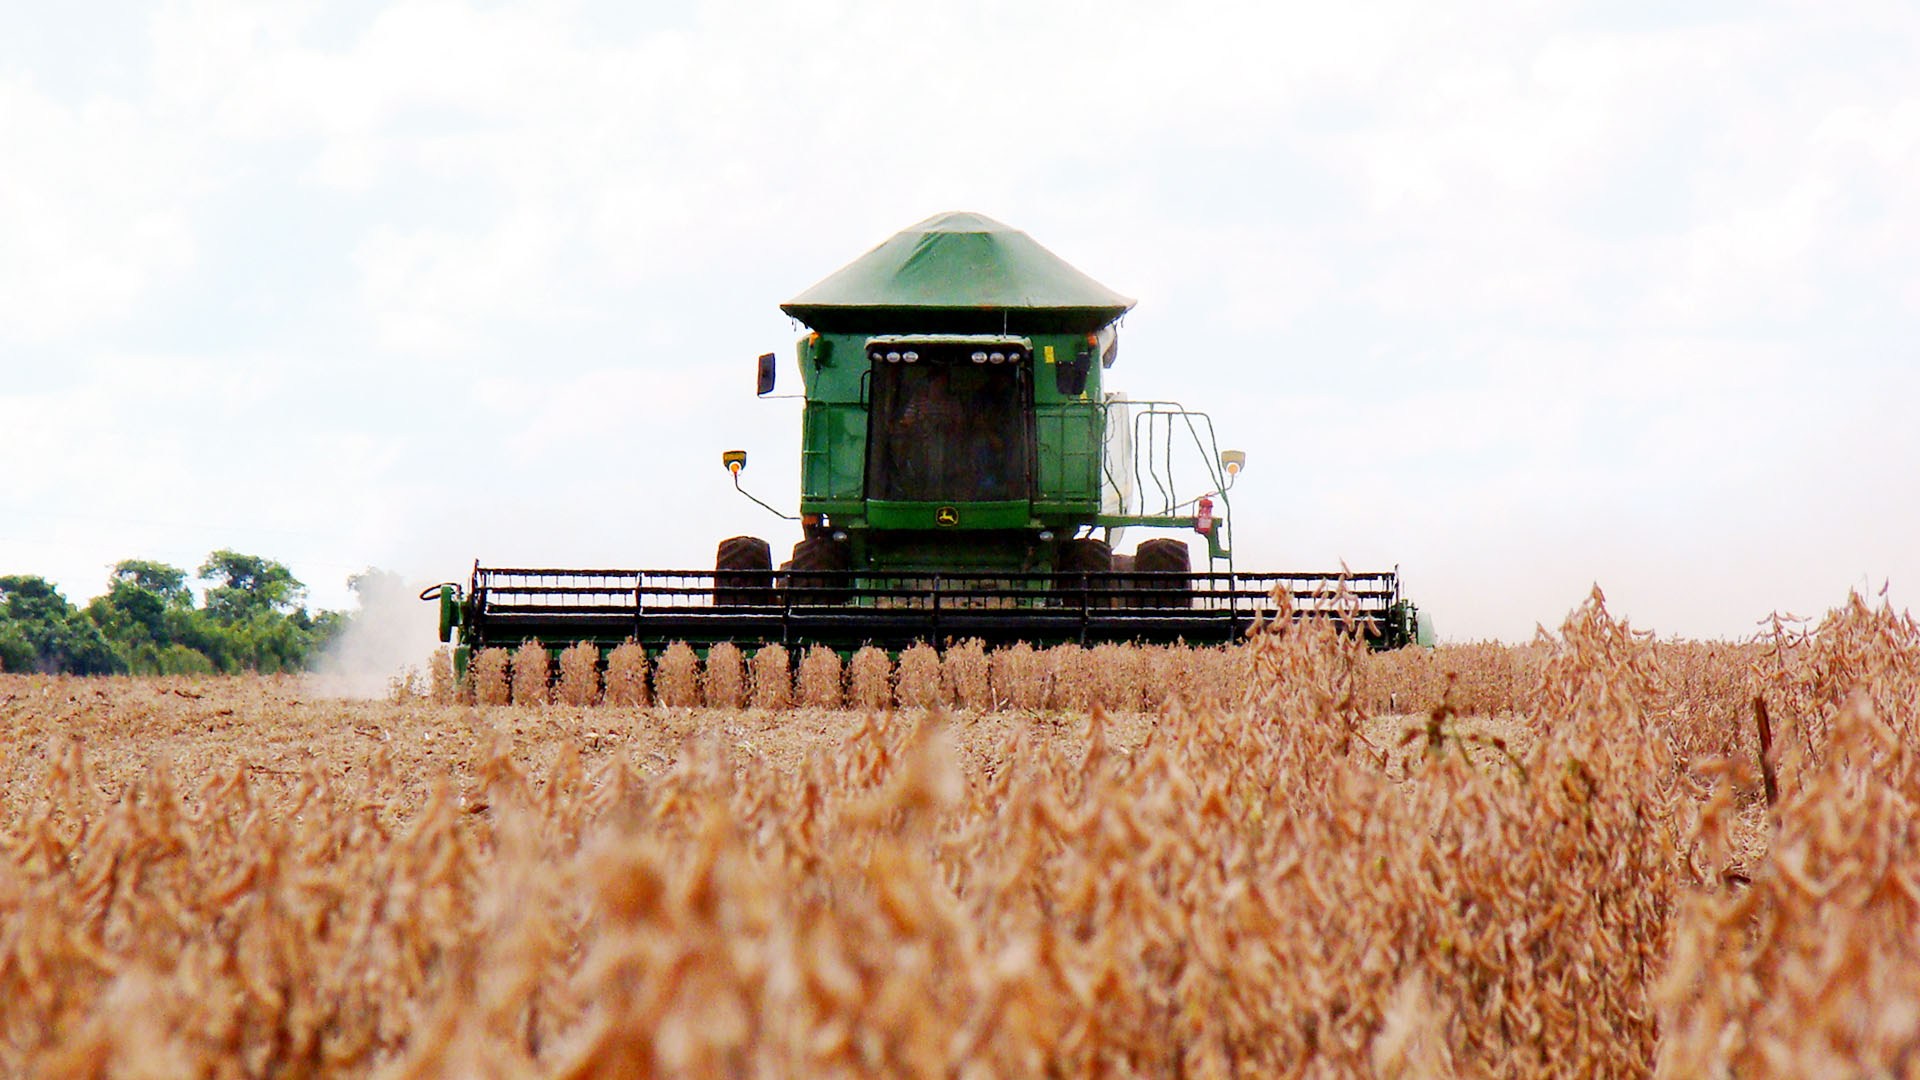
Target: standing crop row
(1124,678)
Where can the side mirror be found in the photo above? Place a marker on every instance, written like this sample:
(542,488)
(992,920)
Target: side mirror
(766,375)
(1070,376)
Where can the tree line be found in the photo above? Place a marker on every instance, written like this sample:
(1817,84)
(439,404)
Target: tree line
(251,616)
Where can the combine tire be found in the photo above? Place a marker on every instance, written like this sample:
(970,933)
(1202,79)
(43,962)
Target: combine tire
(806,581)
(1123,564)
(1163,556)
(1088,556)
(743,572)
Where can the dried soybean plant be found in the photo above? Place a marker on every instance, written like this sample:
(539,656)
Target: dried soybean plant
(1244,886)
(870,684)
(627,675)
(723,682)
(820,678)
(1813,969)
(532,671)
(490,676)
(918,680)
(772,678)
(965,670)
(676,680)
(442,687)
(1020,678)
(1121,673)
(1072,682)
(580,674)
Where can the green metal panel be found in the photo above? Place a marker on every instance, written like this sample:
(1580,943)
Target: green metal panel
(833,427)
(1068,432)
(1067,436)
(957,262)
(963,516)
(833,451)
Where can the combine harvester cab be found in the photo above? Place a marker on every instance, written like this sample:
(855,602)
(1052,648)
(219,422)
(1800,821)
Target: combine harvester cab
(965,473)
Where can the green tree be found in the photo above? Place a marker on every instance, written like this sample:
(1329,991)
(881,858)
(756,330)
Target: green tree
(241,587)
(146,614)
(62,639)
(142,601)
(194,629)
(146,621)
(16,652)
(169,583)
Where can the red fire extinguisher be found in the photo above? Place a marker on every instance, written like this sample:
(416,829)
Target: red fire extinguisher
(1203,522)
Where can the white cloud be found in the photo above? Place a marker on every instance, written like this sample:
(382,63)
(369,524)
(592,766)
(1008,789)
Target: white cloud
(92,211)
(432,290)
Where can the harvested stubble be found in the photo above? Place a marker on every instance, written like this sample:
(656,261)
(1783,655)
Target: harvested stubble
(723,682)
(820,678)
(532,669)
(772,678)
(627,675)
(580,674)
(1250,889)
(489,673)
(677,678)
(871,680)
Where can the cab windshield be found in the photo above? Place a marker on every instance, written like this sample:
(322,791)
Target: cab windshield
(947,429)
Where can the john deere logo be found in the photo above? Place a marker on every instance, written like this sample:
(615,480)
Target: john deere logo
(946,516)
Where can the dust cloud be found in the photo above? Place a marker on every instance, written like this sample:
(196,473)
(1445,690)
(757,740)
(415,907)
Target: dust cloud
(386,644)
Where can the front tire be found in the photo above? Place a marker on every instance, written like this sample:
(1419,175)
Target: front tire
(1164,556)
(743,572)
(1077,559)
(815,576)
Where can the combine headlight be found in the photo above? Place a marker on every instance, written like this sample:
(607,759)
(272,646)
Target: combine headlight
(910,357)
(1013,357)
(998,358)
(876,356)
(893,358)
(979,358)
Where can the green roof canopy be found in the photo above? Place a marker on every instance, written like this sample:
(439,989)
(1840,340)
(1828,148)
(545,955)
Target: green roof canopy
(958,272)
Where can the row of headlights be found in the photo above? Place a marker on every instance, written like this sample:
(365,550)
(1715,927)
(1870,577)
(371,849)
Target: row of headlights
(1010,357)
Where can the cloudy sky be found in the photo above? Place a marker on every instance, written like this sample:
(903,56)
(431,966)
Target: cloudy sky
(1519,297)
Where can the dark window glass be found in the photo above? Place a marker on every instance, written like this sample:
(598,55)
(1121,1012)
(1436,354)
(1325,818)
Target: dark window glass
(948,430)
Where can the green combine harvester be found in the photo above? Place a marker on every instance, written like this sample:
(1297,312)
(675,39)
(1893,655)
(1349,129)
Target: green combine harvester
(965,473)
